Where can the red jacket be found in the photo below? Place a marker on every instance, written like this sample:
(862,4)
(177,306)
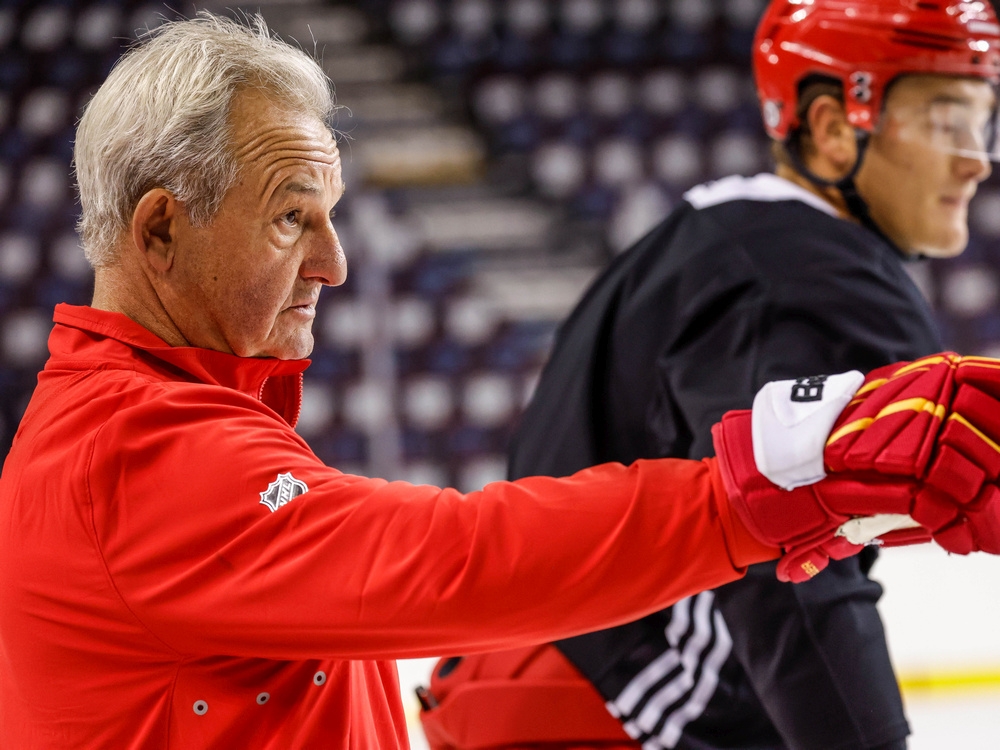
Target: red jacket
(179,570)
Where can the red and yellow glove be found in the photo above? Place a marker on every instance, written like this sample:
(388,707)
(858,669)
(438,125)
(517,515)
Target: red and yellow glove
(936,419)
(804,520)
(915,452)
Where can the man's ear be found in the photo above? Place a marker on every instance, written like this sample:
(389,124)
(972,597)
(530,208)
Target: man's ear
(834,146)
(154,228)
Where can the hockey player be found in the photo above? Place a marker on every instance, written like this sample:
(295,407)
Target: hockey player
(881,114)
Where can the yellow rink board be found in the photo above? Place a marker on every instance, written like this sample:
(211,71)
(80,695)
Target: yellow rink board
(950,681)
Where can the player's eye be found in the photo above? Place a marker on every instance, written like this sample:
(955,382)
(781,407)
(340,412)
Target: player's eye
(290,218)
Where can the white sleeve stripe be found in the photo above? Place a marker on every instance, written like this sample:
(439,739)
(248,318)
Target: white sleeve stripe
(707,648)
(674,690)
(660,667)
(709,681)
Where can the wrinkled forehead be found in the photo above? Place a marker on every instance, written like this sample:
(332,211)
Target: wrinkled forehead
(269,137)
(259,121)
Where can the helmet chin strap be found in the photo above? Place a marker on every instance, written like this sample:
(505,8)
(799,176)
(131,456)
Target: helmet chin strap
(852,198)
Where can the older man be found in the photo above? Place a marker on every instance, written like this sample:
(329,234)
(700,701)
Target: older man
(177,568)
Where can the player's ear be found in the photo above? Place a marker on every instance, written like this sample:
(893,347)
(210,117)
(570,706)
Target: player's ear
(154,228)
(833,142)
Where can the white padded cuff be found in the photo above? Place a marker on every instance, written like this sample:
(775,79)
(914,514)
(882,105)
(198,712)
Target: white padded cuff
(791,422)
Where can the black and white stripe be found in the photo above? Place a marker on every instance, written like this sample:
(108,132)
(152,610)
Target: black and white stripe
(674,688)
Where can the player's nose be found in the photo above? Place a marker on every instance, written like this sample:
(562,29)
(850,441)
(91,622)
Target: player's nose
(976,168)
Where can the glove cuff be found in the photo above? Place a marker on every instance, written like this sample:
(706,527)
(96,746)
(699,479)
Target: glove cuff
(791,422)
(737,468)
(744,547)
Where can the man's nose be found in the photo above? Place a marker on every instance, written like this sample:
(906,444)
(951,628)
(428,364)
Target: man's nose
(976,168)
(325,260)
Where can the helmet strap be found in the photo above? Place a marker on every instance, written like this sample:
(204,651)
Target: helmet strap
(856,205)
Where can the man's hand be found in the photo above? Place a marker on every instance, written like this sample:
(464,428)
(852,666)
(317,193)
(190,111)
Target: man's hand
(914,452)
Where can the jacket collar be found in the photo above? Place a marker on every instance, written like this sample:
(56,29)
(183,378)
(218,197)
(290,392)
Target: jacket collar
(84,336)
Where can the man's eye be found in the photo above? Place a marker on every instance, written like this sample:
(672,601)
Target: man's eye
(291,218)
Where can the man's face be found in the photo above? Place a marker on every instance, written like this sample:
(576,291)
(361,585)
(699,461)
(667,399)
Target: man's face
(248,282)
(924,162)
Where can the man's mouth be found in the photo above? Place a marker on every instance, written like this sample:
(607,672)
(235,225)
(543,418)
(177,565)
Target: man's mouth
(306,307)
(955,201)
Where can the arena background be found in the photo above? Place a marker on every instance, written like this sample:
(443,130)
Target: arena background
(497,154)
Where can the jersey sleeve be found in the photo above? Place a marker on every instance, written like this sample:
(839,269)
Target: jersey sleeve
(751,325)
(224,534)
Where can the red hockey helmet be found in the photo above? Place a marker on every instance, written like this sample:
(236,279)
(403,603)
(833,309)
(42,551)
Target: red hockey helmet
(865,44)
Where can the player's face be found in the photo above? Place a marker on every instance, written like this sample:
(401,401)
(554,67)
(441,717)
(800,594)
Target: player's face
(250,279)
(926,160)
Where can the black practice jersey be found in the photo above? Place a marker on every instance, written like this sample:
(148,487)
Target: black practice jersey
(749,280)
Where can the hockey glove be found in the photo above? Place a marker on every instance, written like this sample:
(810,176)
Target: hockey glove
(802,519)
(936,419)
(888,436)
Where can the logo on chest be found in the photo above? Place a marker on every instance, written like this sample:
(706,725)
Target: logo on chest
(282,491)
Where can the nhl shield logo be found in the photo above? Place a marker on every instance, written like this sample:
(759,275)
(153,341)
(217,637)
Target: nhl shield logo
(282,491)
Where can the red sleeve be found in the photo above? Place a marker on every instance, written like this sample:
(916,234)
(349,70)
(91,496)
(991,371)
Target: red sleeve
(363,568)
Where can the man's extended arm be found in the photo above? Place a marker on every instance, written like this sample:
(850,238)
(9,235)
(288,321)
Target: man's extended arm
(356,567)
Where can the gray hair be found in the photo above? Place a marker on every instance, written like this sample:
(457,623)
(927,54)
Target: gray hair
(161,119)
